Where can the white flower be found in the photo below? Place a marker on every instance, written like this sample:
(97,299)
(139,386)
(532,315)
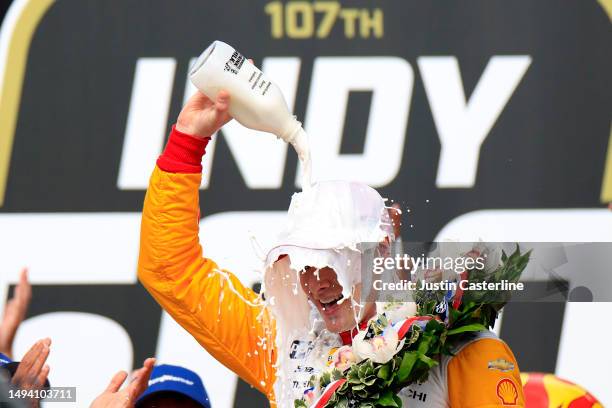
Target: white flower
(379,349)
(397,311)
(492,258)
(489,256)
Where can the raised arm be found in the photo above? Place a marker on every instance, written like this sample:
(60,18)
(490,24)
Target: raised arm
(211,304)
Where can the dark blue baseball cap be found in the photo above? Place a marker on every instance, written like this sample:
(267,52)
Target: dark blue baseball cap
(168,378)
(4,360)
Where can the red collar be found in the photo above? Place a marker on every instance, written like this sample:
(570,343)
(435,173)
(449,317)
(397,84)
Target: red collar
(347,336)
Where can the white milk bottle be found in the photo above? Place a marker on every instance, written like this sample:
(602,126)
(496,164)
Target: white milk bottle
(255,102)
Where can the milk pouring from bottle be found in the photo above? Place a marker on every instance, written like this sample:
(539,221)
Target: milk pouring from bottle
(255,102)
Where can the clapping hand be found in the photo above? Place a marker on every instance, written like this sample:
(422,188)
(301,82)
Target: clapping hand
(14,313)
(112,397)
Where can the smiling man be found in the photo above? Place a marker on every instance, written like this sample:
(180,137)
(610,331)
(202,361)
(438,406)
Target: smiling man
(312,283)
(325,293)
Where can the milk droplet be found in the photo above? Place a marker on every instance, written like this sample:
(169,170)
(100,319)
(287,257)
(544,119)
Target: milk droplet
(427,200)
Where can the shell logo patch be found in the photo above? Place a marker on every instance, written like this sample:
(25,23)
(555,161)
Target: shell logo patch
(501,365)
(507,392)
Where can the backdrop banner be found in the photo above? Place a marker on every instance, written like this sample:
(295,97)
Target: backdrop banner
(485,120)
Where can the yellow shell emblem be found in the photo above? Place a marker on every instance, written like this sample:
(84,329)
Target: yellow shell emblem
(507,392)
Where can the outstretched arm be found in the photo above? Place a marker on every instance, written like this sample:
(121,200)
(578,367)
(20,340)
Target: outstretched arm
(212,304)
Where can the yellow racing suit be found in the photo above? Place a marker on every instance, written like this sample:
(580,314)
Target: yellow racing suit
(224,317)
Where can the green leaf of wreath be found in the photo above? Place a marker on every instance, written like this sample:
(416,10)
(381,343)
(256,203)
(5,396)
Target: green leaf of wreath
(474,327)
(410,357)
(386,399)
(384,372)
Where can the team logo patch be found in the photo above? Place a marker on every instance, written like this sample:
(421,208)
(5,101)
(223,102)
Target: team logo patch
(507,392)
(300,349)
(330,355)
(501,365)
(441,307)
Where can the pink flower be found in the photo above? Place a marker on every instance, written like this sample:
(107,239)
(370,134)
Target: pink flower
(343,358)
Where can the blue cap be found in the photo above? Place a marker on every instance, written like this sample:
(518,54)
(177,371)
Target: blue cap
(169,378)
(4,360)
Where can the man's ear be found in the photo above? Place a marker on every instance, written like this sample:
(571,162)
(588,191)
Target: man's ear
(395,215)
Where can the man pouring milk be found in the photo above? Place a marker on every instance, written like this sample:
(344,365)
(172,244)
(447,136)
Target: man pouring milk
(313,309)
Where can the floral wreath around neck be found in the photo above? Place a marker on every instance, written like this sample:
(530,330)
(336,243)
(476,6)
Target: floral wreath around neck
(390,355)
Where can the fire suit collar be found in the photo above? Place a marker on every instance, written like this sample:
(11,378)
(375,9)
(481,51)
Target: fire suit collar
(347,336)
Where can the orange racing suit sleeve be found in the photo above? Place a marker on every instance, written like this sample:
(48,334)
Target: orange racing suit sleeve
(211,304)
(485,374)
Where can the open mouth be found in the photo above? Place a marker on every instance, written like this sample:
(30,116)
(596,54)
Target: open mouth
(331,303)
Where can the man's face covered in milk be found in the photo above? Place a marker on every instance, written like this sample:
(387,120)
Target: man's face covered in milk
(319,247)
(325,293)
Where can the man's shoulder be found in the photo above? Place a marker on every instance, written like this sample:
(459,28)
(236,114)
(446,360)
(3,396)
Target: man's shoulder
(471,339)
(484,371)
(483,351)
